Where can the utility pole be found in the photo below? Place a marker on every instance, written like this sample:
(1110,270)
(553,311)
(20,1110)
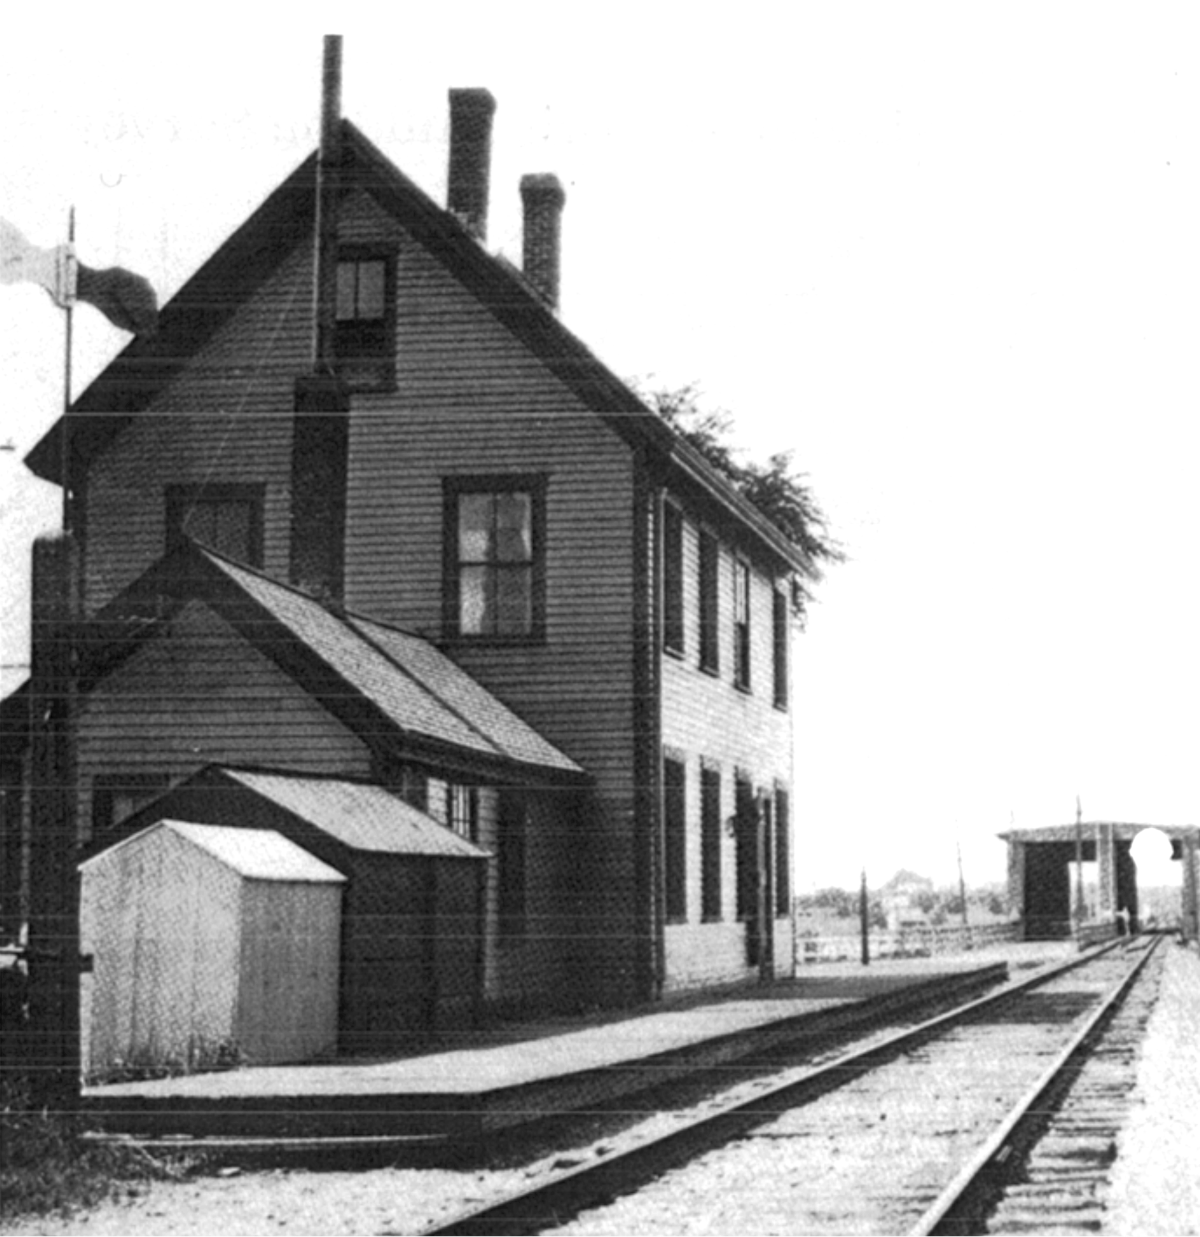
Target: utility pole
(54,955)
(1078,916)
(864,919)
(962,893)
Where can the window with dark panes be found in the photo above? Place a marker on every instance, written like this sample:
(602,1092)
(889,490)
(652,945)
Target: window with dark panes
(780,616)
(364,319)
(710,843)
(494,565)
(710,591)
(675,839)
(225,518)
(741,624)
(672,578)
(746,848)
(783,857)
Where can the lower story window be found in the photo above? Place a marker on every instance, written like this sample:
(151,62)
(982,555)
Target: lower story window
(783,857)
(464,811)
(710,842)
(675,839)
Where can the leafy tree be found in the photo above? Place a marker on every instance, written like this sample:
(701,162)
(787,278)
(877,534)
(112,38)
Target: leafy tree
(780,494)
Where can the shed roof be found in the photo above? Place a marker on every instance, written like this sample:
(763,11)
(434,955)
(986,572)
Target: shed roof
(359,814)
(257,854)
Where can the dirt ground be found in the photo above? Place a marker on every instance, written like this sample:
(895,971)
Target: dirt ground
(1155,1186)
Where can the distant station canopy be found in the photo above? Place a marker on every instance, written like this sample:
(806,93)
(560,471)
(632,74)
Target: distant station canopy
(1045,884)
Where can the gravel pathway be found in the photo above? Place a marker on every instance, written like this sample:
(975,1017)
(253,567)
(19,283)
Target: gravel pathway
(1155,1185)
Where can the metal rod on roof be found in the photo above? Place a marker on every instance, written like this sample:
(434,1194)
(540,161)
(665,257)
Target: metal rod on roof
(325,229)
(65,435)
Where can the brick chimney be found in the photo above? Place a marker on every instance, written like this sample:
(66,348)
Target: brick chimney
(543,199)
(471,112)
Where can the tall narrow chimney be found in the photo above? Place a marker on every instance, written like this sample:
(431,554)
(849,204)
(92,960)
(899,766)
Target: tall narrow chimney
(543,199)
(471,112)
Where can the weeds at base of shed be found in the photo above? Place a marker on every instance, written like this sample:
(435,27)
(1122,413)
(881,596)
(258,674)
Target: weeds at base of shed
(46,1168)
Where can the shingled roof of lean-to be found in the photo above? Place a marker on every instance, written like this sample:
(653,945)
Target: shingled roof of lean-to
(397,690)
(360,815)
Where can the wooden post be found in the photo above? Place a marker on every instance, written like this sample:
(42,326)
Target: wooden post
(53,876)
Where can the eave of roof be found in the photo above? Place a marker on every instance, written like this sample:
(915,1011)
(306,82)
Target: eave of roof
(284,220)
(430,710)
(1123,831)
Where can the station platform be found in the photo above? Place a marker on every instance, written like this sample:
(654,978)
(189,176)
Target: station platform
(487,1081)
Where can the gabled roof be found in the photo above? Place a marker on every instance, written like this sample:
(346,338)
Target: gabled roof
(285,220)
(398,692)
(257,854)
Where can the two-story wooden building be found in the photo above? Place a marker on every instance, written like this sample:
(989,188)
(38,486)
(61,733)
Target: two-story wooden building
(483,576)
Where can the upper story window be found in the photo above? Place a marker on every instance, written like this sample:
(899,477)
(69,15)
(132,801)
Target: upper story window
(780,623)
(494,557)
(365,318)
(672,578)
(741,624)
(710,592)
(226,518)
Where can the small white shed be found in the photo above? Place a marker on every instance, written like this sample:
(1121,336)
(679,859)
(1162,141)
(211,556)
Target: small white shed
(210,944)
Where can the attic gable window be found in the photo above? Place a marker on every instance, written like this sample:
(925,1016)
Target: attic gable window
(494,557)
(365,318)
(225,518)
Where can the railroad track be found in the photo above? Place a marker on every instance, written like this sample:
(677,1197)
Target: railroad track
(921,1132)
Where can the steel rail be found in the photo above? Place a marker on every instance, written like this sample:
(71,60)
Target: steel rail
(558,1196)
(959,1206)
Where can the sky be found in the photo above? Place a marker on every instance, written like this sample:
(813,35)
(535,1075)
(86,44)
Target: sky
(945,254)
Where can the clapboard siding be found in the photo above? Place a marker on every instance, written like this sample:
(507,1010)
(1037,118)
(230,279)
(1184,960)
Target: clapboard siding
(225,418)
(705,717)
(471,399)
(195,694)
